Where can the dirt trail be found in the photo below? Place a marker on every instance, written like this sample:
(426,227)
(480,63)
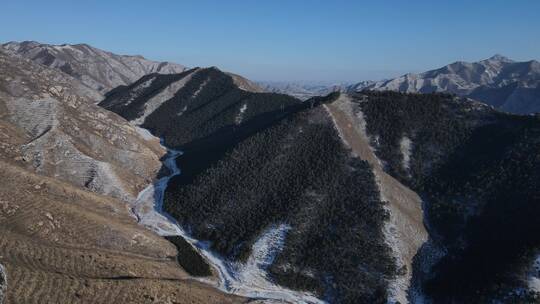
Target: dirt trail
(405,231)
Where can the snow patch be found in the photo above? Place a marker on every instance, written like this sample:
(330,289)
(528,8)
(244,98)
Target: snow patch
(264,251)
(534,284)
(405,146)
(397,288)
(240,116)
(135,92)
(64,47)
(200,88)
(534,278)
(182,111)
(3,283)
(166,94)
(144,133)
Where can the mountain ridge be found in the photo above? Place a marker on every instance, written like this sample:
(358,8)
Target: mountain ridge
(415,197)
(219,127)
(68,169)
(52,126)
(98,69)
(498,81)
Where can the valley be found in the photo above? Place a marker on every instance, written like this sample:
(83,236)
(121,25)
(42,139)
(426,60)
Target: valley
(126,180)
(249,280)
(68,170)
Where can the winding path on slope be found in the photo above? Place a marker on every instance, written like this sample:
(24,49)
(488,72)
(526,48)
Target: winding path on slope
(248,280)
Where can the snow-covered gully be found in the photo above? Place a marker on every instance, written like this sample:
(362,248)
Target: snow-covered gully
(249,279)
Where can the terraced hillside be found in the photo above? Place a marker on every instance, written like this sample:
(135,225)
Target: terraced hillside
(477,171)
(60,244)
(99,70)
(51,126)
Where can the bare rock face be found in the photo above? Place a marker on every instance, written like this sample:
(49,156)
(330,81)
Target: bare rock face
(50,125)
(95,68)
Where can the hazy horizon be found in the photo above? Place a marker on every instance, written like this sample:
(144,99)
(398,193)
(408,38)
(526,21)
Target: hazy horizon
(301,41)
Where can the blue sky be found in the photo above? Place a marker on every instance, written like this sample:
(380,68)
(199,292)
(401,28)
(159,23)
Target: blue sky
(288,40)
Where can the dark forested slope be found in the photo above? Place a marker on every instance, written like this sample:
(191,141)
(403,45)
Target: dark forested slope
(296,172)
(257,161)
(479,173)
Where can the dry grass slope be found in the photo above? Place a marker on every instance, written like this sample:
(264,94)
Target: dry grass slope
(60,244)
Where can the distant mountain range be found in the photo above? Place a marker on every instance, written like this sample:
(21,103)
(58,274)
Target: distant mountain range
(302,90)
(97,69)
(498,81)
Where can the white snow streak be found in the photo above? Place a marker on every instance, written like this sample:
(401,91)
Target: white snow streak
(182,111)
(145,133)
(249,279)
(534,279)
(240,116)
(135,92)
(200,88)
(397,288)
(155,102)
(406,148)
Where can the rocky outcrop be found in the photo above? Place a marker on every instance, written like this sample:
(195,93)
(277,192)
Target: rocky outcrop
(99,70)
(52,127)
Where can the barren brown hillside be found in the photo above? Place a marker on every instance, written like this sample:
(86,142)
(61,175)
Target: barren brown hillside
(50,125)
(60,244)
